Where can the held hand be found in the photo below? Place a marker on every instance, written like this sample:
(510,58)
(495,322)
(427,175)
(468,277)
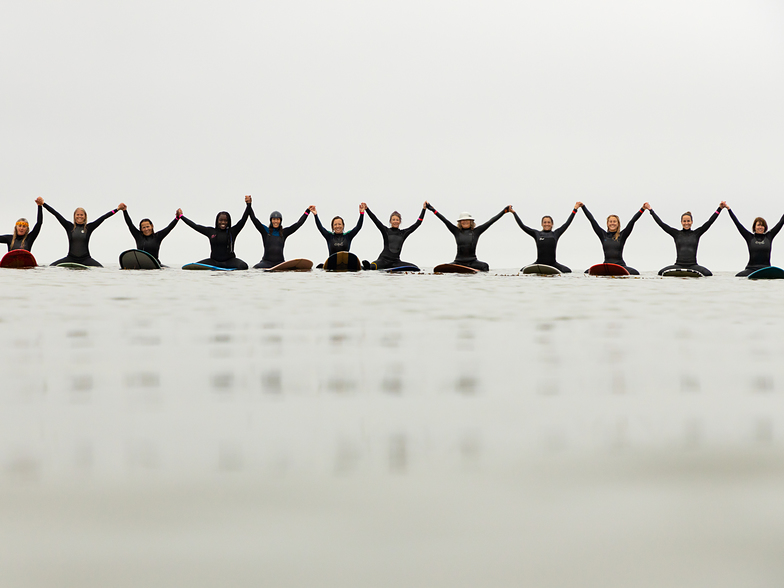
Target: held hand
(39,201)
(248,199)
(179,212)
(508,209)
(578,204)
(646,206)
(312,209)
(723,204)
(122,206)
(430,206)
(425,205)
(362,207)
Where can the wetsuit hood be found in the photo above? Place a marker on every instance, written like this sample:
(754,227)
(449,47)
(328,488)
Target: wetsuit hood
(218,217)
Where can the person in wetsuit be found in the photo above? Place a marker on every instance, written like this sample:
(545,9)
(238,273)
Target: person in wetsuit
(23,237)
(467,235)
(613,239)
(759,242)
(394,237)
(686,240)
(146,238)
(222,238)
(338,240)
(79,233)
(274,237)
(547,238)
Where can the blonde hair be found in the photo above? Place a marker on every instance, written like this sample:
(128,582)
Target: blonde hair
(618,230)
(13,239)
(85,217)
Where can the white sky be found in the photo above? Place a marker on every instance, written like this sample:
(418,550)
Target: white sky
(472,105)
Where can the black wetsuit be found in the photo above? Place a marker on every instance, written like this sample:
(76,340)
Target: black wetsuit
(393,242)
(78,239)
(151,244)
(547,241)
(759,246)
(222,241)
(613,248)
(274,240)
(27,241)
(686,243)
(467,240)
(341,241)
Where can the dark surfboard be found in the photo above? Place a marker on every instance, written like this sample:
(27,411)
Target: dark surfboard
(342,261)
(401,269)
(540,269)
(299,265)
(682,273)
(136,259)
(767,273)
(205,267)
(19,259)
(454,268)
(607,269)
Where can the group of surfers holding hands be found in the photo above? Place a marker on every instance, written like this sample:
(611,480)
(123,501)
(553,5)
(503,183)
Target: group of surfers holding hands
(223,235)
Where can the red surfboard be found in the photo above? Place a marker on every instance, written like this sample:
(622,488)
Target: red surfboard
(18,258)
(607,269)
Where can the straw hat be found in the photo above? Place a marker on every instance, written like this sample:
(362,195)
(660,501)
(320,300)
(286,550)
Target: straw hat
(465,216)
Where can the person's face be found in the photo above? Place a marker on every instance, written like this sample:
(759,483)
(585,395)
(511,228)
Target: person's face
(80,217)
(547,224)
(146,229)
(686,222)
(337,226)
(464,224)
(223,222)
(759,228)
(395,222)
(275,222)
(612,224)
(22,229)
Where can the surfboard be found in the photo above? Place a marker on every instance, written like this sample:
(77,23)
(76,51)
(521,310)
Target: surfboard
(540,269)
(342,261)
(73,266)
(681,272)
(203,266)
(19,259)
(767,273)
(607,269)
(454,268)
(400,269)
(136,259)
(292,265)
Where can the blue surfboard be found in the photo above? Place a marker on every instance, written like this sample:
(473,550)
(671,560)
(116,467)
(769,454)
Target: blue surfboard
(767,273)
(204,266)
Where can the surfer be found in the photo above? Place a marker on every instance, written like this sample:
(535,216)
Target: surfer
(23,237)
(79,232)
(547,238)
(338,240)
(759,242)
(274,237)
(146,238)
(467,235)
(222,237)
(393,237)
(613,239)
(686,240)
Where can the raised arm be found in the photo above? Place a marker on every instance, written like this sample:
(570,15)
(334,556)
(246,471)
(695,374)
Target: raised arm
(709,222)
(358,226)
(295,227)
(162,234)
(235,230)
(68,226)
(527,230)
(375,220)
(39,221)
(206,231)
(601,233)
(97,222)
(134,231)
(630,227)
(416,224)
(324,232)
(562,229)
(665,227)
(452,228)
(483,227)
(745,233)
(775,230)
(260,226)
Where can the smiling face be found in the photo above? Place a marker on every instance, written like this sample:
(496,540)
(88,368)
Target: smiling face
(547,223)
(80,216)
(395,221)
(223,222)
(275,222)
(21,228)
(464,224)
(759,228)
(686,222)
(146,228)
(337,226)
(613,223)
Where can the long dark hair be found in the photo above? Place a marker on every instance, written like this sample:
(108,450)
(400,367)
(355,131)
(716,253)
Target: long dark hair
(146,220)
(230,246)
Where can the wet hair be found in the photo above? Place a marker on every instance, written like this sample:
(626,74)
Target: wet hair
(230,245)
(687,213)
(618,231)
(761,221)
(397,214)
(146,220)
(85,218)
(13,239)
(332,224)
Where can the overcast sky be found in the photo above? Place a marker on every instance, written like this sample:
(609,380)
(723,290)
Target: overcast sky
(472,105)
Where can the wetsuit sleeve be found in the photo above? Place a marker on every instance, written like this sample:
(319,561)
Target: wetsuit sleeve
(97,222)
(562,229)
(665,227)
(206,231)
(235,230)
(6,239)
(68,226)
(482,228)
(39,221)
(418,222)
(134,231)
(745,233)
(162,234)
(630,227)
(709,222)
(596,228)
(375,220)
(452,228)
(324,232)
(527,230)
(353,232)
(775,230)
(295,227)
(260,227)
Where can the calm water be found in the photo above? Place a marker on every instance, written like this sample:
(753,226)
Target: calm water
(246,429)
